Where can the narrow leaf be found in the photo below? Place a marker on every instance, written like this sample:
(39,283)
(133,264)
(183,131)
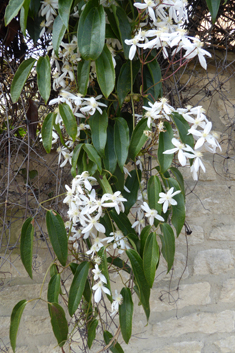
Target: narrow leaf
(154,188)
(59,323)
(124,79)
(179,177)
(115,346)
(98,123)
(126,314)
(69,120)
(133,185)
(24,16)
(15,321)
(57,33)
(53,290)
(47,128)
(116,261)
(124,27)
(110,158)
(12,10)
(124,224)
(91,30)
(165,143)
(178,211)
(213,6)
(138,138)
(20,78)
(143,236)
(26,245)
(105,72)
(44,77)
(150,258)
(121,141)
(64,10)
(104,268)
(93,155)
(91,332)
(76,153)
(152,80)
(83,71)
(183,127)
(168,244)
(77,287)
(58,236)
(144,289)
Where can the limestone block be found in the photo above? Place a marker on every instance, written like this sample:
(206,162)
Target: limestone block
(206,323)
(162,299)
(4,326)
(223,232)
(226,345)
(36,325)
(12,266)
(176,271)
(226,111)
(213,261)
(196,237)
(23,349)
(52,349)
(227,294)
(182,347)
(209,175)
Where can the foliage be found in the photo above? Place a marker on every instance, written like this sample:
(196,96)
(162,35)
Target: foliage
(117,224)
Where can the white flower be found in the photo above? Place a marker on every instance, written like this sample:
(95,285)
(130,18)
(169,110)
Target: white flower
(91,105)
(195,49)
(99,287)
(98,274)
(151,214)
(204,136)
(167,198)
(93,223)
(118,299)
(180,148)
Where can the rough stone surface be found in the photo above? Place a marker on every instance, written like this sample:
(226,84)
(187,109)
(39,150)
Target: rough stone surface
(196,237)
(226,345)
(182,347)
(199,322)
(213,261)
(228,291)
(177,270)
(223,232)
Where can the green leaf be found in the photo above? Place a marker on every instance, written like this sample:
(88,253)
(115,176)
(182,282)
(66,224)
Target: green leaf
(179,177)
(44,77)
(69,120)
(33,27)
(152,80)
(110,158)
(165,143)
(26,245)
(112,21)
(53,270)
(47,128)
(178,211)
(93,155)
(124,79)
(76,153)
(83,71)
(124,224)
(78,286)
(168,244)
(98,123)
(34,7)
(115,346)
(144,290)
(154,188)
(15,321)
(119,178)
(126,314)
(150,258)
(102,180)
(105,271)
(138,138)
(57,235)
(105,72)
(133,185)
(64,10)
(91,332)
(91,31)
(59,323)
(143,236)
(121,141)
(183,127)
(20,78)
(24,16)
(57,33)
(12,10)
(53,290)
(116,261)
(213,6)
(123,26)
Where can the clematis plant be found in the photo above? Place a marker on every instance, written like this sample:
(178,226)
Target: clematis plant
(101,57)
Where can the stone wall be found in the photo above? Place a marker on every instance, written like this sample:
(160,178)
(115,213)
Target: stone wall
(192,307)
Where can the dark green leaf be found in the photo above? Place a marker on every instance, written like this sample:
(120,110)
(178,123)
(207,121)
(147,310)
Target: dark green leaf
(143,236)
(183,127)
(26,245)
(91,332)
(168,244)
(78,286)
(154,188)
(152,80)
(93,155)
(144,289)
(20,78)
(102,180)
(12,10)
(33,27)
(124,224)
(133,185)
(124,79)
(138,138)
(116,261)
(15,321)
(69,120)
(106,221)
(110,158)
(83,72)
(53,270)
(24,16)
(59,323)
(105,72)
(115,346)
(150,258)
(125,314)
(44,77)
(178,211)
(121,141)
(47,128)
(123,26)
(112,22)
(53,289)
(91,30)
(104,269)
(213,6)
(64,10)
(34,7)
(76,153)
(98,123)
(179,177)
(165,143)
(119,178)
(57,33)
(57,235)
